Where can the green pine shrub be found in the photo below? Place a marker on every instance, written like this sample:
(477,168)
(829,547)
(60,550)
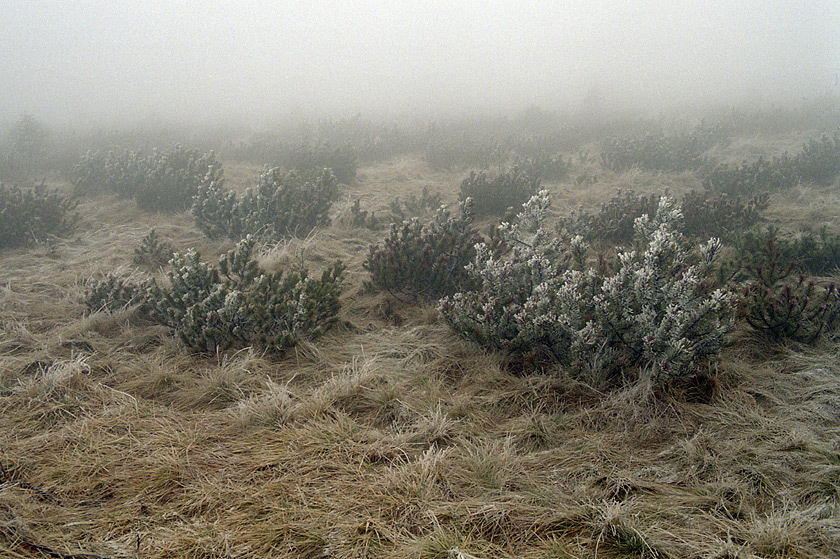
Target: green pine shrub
(720,215)
(655,313)
(33,213)
(814,253)
(233,304)
(784,304)
(509,189)
(425,261)
(280,206)
(363,219)
(153,252)
(614,220)
(544,165)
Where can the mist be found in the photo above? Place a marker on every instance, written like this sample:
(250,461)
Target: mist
(85,63)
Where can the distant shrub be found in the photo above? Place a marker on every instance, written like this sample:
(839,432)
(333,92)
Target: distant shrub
(816,253)
(363,219)
(496,196)
(783,304)
(32,213)
(750,179)
(614,220)
(545,166)
(233,304)
(163,182)
(425,261)
(307,159)
(153,252)
(654,312)
(661,153)
(463,153)
(281,205)
(704,215)
(819,160)
(414,206)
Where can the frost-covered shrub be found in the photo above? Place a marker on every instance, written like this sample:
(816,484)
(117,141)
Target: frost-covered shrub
(162,181)
(496,196)
(32,213)
(281,205)
(425,260)
(655,312)
(233,304)
(213,308)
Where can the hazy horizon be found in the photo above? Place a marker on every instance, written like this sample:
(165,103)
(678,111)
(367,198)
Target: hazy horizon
(86,63)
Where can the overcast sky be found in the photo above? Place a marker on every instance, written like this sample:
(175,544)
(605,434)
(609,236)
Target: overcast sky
(90,62)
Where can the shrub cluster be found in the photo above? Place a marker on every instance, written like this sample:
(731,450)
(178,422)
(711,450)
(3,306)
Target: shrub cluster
(233,304)
(163,182)
(544,165)
(655,312)
(425,261)
(281,205)
(414,206)
(31,213)
(497,195)
(661,153)
(704,215)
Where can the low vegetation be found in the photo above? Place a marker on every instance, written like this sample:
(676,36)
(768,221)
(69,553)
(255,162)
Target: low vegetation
(654,377)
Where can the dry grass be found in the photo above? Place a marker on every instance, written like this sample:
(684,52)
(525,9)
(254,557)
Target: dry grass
(388,437)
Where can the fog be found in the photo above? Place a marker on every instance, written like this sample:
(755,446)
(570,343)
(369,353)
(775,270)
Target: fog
(87,63)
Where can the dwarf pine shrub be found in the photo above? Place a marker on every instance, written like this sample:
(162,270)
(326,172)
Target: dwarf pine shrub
(162,181)
(425,261)
(819,160)
(495,196)
(784,304)
(153,252)
(750,179)
(233,304)
(32,213)
(655,312)
(659,152)
(280,206)
(307,159)
(704,215)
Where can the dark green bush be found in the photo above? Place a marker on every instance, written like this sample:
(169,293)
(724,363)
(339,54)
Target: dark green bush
(614,220)
(816,253)
(33,213)
(496,196)
(425,261)
(281,205)
(414,206)
(546,166)
(784,304)
(234,304)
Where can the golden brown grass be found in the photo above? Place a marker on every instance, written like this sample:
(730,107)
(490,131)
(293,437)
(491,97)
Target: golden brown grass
(388,437)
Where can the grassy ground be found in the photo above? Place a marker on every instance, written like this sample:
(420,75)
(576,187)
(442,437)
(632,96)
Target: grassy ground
(389,437)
